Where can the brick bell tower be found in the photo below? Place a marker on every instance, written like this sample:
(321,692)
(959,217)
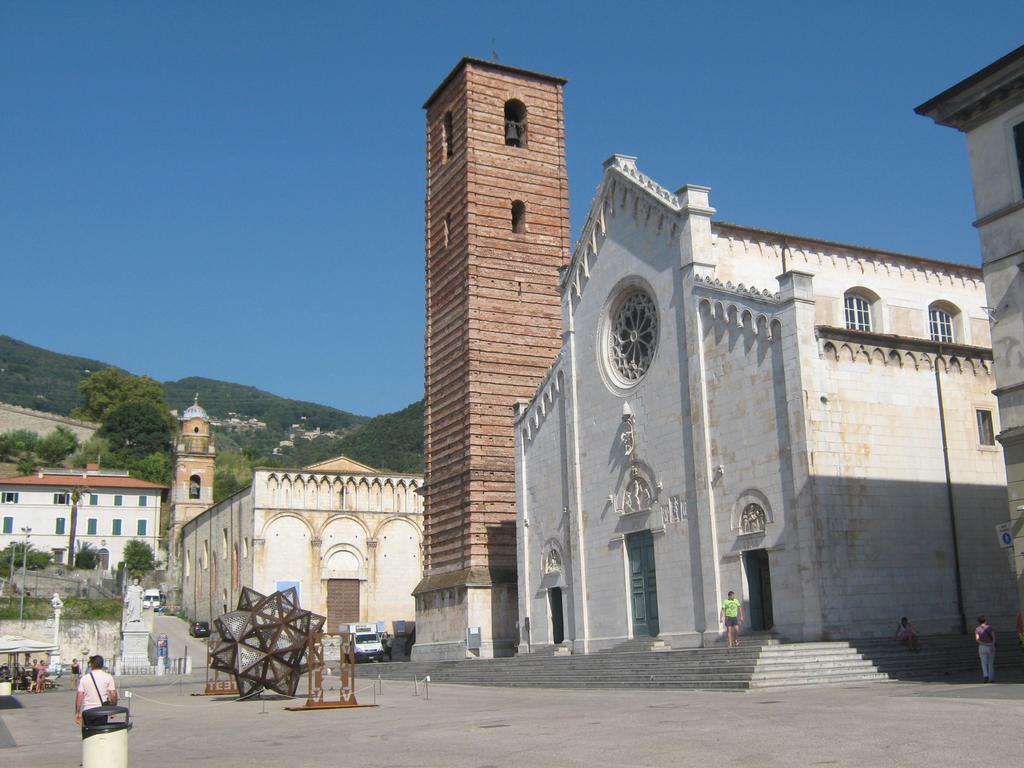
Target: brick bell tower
(497,232)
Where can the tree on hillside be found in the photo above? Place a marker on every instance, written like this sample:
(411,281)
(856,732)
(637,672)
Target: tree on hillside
(138,558)
(87,558)
(57,446)
(36,561)
(138,428)
(28,463)
(107,389)
(91,451)
(16,443)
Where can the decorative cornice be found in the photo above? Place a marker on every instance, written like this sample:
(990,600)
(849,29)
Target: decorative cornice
(845,344)
(746,291)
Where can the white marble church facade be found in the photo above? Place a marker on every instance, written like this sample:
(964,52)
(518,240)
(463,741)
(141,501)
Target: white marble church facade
(820,443)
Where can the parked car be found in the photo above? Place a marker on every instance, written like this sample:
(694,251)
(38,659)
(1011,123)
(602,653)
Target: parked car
(199,629)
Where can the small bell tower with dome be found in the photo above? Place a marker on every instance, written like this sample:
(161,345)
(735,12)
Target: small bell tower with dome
(195,457)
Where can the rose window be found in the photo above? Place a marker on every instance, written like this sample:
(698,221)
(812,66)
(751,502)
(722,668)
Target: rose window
(633,336)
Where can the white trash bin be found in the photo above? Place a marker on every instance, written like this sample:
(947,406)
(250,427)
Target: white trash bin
(5,688)
(105,737)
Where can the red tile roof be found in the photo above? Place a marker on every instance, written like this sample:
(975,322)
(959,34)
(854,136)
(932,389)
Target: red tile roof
(77,481)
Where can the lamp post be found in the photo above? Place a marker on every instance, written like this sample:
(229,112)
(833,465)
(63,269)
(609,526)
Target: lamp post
(24,561)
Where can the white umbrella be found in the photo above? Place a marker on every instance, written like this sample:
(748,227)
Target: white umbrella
(14,644)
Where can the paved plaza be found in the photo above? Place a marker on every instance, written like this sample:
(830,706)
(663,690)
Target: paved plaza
(899,724)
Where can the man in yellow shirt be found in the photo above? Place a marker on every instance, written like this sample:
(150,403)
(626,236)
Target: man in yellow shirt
(732,617)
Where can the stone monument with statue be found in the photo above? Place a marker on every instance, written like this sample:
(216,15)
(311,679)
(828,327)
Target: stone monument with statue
(134,633)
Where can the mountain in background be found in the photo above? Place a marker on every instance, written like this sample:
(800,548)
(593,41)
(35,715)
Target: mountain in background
(37,378)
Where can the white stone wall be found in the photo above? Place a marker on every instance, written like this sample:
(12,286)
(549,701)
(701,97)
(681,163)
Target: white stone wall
(881,488)
(77,639)
(905,286)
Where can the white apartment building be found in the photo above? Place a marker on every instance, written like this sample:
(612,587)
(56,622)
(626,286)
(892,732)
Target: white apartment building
(113,509)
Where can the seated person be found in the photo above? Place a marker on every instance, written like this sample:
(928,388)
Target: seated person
(907,633)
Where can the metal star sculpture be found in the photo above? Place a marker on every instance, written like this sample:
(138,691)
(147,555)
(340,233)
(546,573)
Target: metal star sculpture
(263,643)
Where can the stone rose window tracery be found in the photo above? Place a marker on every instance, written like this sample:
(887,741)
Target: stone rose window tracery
(632,336)
(753,519)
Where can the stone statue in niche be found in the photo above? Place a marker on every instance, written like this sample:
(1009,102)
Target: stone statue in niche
(628,436)
(553,562)
(753,519)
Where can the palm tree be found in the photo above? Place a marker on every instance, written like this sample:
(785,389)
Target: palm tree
(75,496)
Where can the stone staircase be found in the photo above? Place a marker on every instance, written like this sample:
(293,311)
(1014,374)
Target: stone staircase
(939,657)
(633,666)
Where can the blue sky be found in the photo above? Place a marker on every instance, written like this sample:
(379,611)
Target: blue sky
(235,190)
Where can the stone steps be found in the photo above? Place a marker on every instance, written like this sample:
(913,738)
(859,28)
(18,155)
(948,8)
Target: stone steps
(759,662)
(629,666)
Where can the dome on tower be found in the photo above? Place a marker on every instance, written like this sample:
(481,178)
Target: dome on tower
(195,411)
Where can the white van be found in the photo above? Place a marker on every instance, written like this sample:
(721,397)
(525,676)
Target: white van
(368,645)
(151,598)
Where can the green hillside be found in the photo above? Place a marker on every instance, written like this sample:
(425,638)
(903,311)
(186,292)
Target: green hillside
(392,441)
(37,378)
(222,397)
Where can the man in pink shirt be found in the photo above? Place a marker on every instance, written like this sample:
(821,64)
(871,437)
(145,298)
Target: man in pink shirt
(94,688)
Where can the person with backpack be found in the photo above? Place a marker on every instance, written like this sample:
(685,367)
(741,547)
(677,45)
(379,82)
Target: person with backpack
(985,637)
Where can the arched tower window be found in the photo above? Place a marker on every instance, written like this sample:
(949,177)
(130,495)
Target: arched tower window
(515,123)
(943,319)
(446,136)
(518,216)
(194,485)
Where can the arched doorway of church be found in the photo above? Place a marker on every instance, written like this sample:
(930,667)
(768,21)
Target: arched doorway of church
(759,589)
(557,615)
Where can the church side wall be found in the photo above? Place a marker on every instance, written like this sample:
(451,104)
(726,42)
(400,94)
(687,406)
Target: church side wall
(217,551)
(882,495)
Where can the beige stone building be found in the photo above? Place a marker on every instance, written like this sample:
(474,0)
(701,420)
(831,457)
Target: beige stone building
(348,536)
(807,423)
